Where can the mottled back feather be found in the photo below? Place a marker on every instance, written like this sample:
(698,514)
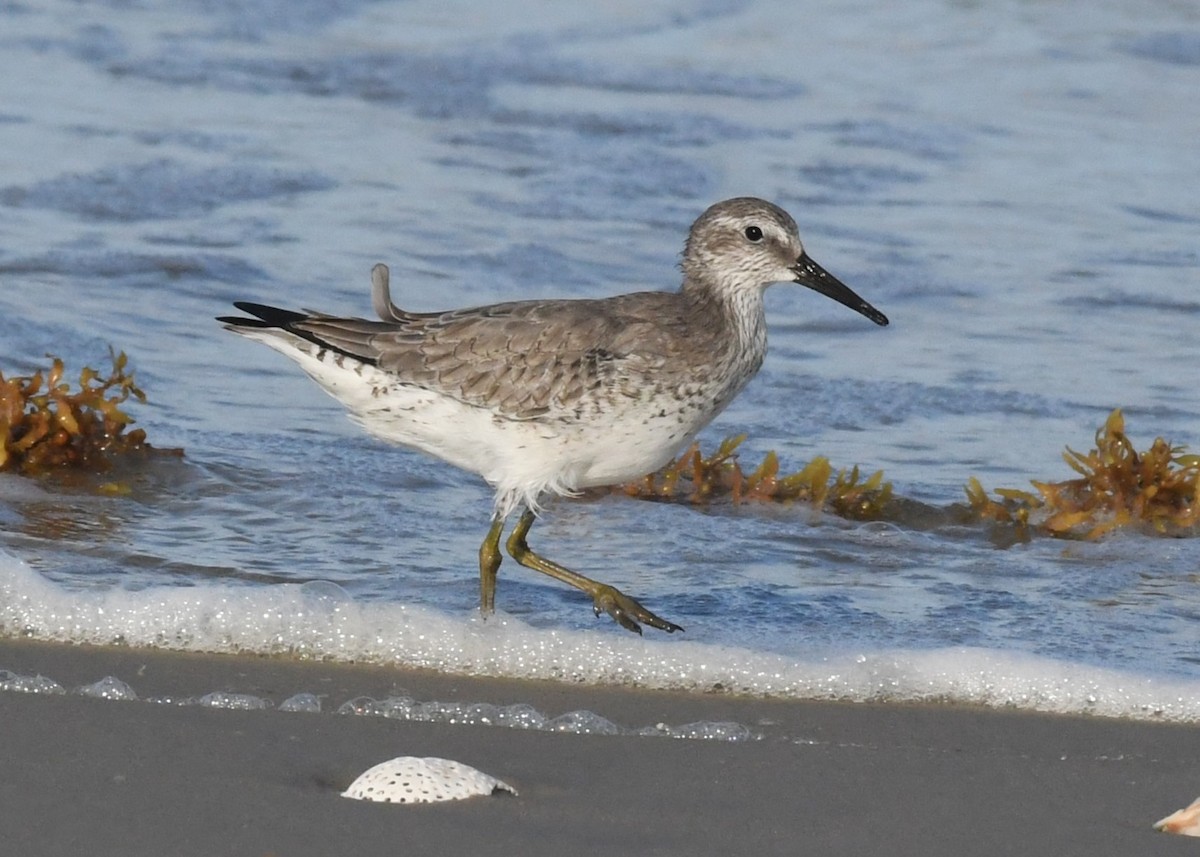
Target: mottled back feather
(528,359)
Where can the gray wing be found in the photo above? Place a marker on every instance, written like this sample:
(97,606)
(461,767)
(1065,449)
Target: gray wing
(523,360)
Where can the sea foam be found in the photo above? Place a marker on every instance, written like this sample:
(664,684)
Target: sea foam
(321,620)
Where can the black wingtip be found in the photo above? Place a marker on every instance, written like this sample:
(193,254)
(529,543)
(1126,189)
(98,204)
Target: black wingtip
(265,316)
(241,321)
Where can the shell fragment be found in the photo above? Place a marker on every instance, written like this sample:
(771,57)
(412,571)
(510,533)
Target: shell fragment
(1185,822)
(409,779)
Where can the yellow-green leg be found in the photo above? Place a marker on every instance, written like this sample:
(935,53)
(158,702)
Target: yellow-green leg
(489,564)
(625,610)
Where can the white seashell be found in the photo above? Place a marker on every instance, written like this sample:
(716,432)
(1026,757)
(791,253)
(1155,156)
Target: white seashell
(1185,822)
(409,779)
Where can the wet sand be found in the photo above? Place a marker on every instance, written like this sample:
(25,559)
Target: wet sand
(88,776)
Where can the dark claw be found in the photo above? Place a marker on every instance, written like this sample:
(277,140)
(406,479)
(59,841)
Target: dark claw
(622,618)
(627,612)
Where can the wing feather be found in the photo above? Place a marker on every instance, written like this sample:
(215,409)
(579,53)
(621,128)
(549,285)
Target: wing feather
(525,359)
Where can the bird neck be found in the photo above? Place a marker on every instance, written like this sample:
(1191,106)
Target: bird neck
(735,314)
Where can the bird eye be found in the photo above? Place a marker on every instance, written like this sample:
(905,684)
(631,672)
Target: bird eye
(753,233)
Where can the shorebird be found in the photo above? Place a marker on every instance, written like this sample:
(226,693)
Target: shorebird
(547,397)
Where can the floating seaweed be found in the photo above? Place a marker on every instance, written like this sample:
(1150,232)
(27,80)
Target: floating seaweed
(695,478)
(1117,487)
(45,427)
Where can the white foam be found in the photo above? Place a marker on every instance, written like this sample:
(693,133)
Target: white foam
(524,716)
(15,683)
(232,701)
(109,687)
(307,702)
(517,716)
(322,621)
(705,730)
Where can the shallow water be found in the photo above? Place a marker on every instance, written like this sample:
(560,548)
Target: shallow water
(1013,184)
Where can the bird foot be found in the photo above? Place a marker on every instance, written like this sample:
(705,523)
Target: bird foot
(627,611)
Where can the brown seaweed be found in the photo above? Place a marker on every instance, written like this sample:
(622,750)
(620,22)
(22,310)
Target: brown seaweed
(46,426)
(1116,487)
(694,478)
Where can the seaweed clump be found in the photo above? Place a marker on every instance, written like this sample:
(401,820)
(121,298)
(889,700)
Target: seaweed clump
(45,426)
(1117,487)
(695,478)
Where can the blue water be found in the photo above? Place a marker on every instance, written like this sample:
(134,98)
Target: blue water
(1013,184)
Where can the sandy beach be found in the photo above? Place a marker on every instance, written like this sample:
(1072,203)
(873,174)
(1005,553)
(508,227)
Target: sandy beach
(98,777)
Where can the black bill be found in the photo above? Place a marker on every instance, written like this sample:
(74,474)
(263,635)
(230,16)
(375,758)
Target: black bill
(809,273)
